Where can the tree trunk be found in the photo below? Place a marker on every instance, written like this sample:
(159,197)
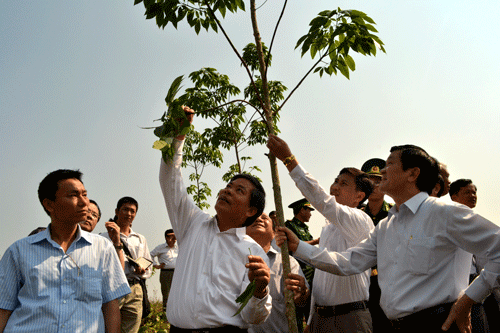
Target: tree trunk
(290,305)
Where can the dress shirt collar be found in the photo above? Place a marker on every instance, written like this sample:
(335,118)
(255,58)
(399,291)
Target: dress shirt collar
(132,233)
(80,234)
(240,232)
(412,204)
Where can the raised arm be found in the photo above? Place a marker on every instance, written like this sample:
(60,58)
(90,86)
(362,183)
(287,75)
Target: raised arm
(181,209)
(351,222)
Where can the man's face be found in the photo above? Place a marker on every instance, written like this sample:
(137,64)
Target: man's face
(394,178)
(170,239)
(126,214)
(262,230)
(92,218)
(304,214)
(345,192)
(376,194)
(71,203)
(467,195)
(234,200)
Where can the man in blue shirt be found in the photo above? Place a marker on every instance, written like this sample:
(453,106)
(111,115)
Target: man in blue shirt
(62,279)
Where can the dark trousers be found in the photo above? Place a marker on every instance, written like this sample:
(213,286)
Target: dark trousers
(428,320)
(379,320)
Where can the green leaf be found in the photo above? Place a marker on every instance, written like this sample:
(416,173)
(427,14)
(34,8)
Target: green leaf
(175,87)
(350,62)
(245,296)
(159,144)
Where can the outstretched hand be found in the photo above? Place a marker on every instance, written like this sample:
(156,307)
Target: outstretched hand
(283,234)
(278,147)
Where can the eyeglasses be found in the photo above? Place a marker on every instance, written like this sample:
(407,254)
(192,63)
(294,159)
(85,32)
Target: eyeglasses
(94,215)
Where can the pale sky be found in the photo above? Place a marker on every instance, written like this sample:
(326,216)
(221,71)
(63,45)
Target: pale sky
(79,79)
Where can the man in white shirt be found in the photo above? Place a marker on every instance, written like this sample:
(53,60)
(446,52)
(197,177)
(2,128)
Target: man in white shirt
(217,259)
(262,231)
(339,304)
(421,250)
(167,255)
(130,305)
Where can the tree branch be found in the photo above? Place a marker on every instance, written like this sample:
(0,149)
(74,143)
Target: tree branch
(237,53)
(274,35)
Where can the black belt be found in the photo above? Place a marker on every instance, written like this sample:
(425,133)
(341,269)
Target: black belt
(131,282)
(167,269)
(223,329)
(341,309)
(424,316)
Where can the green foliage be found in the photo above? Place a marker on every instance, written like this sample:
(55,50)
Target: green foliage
(251,57)
(236,169)
(333,33)
(198,13)
(155,322)
(245,296)
(171,126)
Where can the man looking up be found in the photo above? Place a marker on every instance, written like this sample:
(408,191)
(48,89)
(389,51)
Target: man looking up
(262,231)
(131,305)
(339,303)
(421,250)
(217,259)
(61,279)
(464,191)
(167,256)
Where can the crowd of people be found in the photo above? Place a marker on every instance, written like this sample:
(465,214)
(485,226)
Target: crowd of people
(418,264)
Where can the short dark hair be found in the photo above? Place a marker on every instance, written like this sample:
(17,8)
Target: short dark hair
(50,184)
(127,200)
(169,231)
(415,157)
(440,182)
(362,181)
(37,230)
(458,184)
(257,196)
(98,208)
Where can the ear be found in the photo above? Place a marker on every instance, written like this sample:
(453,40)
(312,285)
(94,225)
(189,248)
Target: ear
(48,205)
(251,212)
(413,174)
(359,196)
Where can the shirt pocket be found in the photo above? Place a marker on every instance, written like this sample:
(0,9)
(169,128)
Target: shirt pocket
(419,255)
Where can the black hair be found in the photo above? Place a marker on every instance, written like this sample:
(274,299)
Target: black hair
(98,208)
(169,231)
(415,157)
(37,230)
(257,196)
(458,184)
(50,184)
(440,182)
(362,181)
(127,200)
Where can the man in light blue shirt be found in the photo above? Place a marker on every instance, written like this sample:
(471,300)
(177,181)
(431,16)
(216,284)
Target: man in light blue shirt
(62,279)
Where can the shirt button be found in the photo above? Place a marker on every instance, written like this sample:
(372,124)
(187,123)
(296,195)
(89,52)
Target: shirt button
(64,302)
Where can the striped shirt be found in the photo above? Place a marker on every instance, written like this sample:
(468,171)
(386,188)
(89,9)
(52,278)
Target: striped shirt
(48,290)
